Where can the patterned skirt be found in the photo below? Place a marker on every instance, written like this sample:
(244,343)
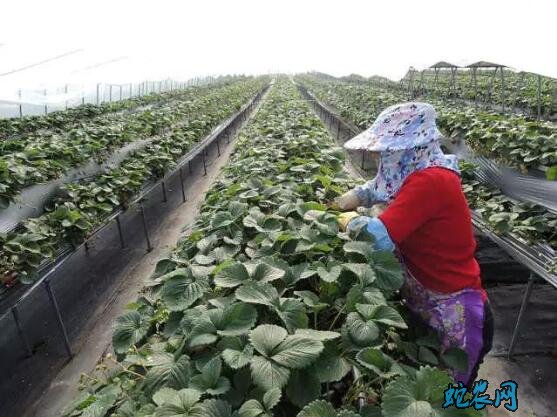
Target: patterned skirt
(462,319)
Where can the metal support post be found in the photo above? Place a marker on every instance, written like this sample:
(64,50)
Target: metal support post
(120,234)
(539,96)
(523,306)
(20,105)
(145,229)
(163,186)
(182,185)
(204,162)
(20,332)
(56,309)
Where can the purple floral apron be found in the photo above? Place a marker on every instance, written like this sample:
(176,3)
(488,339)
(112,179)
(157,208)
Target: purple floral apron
(457,317)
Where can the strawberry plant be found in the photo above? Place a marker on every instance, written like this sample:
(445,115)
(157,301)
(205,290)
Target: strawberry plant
(87,203)
(45,155)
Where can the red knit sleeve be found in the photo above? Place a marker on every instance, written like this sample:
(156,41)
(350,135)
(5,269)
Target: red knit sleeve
(417,201)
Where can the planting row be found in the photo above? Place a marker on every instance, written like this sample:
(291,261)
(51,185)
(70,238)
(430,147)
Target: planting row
(513,140)
(47,155)
(520,89)
(85,204)
(265,308)
(531,223)
(63,120)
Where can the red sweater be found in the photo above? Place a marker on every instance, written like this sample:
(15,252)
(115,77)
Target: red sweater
(430,223)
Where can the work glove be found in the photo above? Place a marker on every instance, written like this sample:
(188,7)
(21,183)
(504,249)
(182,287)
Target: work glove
(345,218)
(348,201)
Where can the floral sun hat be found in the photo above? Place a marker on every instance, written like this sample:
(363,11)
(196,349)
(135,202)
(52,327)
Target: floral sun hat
(398,127)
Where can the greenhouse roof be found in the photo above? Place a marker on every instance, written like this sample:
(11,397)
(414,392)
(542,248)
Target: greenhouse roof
(485,64)
(444,64)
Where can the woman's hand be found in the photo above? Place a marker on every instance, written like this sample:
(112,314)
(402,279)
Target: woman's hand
(345,218)
(348,201)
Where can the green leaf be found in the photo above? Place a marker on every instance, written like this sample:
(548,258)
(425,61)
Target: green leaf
(281,353)
(427,356)
(271,398)
(165,369)
(380,363)
(361,332)
(303,387)
(318,408)
(421,396)
(215,408)
(253,408)
(210,380)
(331,366)
(130,328)
(329,275)
(266,337)
(388,270)
(267,374)
(551,173)
(234,320)
(292,312)
(231,276)
(455,358)
(237,356)
(364,249)
(387,315)
(363,271)
(221,219)
(258,293)
(184,403)
(265,273)
(297,352)
(182,290)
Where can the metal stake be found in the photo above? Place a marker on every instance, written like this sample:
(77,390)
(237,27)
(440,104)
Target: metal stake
(189,167)
(363,155)
(218,147)
(163,186)
(525,300)
(145,230)
(20,105)
(539,96)
(15,314)
(503,89)
(182,185)
(61,325)
(120,234)
(204,164)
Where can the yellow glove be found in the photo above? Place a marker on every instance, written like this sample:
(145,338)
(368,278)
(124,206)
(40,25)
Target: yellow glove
(345,218)
(348,201)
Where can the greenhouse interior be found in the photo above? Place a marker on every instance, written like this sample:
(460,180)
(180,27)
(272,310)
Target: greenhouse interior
(291,209)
